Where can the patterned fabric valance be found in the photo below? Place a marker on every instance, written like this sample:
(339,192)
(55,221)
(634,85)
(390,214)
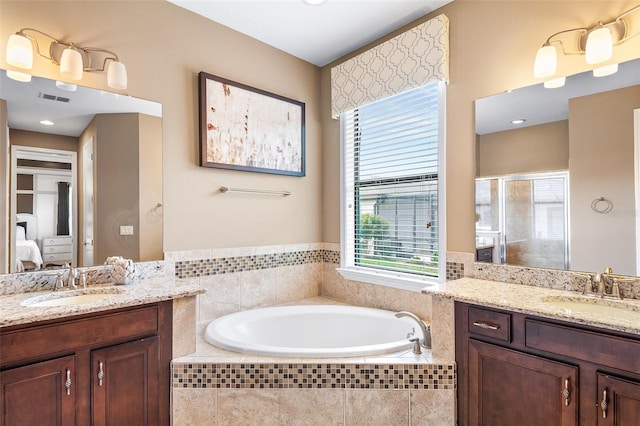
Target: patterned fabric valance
(412,59)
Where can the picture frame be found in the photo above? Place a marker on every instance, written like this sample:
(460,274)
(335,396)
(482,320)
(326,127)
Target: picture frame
(249,129)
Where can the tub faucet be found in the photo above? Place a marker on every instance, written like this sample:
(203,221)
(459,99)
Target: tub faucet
(426,332)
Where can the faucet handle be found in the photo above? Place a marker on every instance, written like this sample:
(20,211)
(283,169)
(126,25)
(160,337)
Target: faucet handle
(59,282)
(594,280)
(416,345)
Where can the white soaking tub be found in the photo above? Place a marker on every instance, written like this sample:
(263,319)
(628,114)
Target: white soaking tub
(312,331)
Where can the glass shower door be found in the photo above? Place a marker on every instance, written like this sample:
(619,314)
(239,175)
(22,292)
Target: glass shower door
(535,221)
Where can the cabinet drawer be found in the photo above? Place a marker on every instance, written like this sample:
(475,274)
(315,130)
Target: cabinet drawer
(484,322)
(38,341)
(611,351)
(55,241)
(56,249)
(52,257)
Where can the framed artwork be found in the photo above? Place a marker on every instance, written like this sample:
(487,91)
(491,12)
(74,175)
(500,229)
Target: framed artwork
(244,128)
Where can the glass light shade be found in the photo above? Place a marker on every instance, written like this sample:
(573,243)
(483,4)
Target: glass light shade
(546,62)
(117,75)
(71,64)
(66,86)
(19,52)
(19,76)
(606,70)
(599,46)
(555,83)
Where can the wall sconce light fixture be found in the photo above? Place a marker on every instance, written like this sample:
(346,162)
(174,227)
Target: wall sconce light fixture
(596,43)
(72,59)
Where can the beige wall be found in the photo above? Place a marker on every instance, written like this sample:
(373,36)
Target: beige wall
(150,177)
(493,44)
(43,140)
(602,165)
(531,149)
(164,47)
(117,186)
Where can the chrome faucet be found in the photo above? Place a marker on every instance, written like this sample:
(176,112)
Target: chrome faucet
(426,332)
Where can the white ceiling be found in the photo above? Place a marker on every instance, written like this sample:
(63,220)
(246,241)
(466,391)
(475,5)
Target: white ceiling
(317,34)
(71,112)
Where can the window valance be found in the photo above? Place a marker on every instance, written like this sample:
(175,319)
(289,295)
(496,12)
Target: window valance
(412,59)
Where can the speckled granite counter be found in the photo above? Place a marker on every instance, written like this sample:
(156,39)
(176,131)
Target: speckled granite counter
(140,292)
(540,301)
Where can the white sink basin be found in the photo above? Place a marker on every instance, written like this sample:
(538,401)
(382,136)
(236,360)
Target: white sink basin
(71,297)
(607,308)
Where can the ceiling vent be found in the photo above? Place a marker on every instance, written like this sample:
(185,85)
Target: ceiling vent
(54,97)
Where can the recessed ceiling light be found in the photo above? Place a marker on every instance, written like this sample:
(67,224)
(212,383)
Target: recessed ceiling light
(518,121)
(314,2)
(47,122)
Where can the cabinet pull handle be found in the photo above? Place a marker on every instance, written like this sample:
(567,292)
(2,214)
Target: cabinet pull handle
(486,325)
(604,404)
(100,373)
(67,383)
(566,393)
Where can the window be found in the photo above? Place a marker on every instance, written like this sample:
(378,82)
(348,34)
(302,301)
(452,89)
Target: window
(393,224)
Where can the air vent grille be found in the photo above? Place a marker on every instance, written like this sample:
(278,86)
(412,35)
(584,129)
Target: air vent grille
(54,98)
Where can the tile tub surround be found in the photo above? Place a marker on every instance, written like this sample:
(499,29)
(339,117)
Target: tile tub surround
(225,387)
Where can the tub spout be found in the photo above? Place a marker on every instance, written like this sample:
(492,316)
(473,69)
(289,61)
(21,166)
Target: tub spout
(426,331)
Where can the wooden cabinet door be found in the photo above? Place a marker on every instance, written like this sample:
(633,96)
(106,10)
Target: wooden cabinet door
(39,394)
(125,380)
(619,401)
(508,387)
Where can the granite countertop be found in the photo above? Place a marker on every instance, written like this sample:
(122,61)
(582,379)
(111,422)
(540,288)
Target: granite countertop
(618,315)
(140,292)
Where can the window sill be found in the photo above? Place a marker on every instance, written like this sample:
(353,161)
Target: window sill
(387,279)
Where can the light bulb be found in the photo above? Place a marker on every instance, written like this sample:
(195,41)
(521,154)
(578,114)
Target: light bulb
(20,52)
(19,76)
(599,46)
(546,62)
(117,75)
(555,83)
(71,64)
(605,71)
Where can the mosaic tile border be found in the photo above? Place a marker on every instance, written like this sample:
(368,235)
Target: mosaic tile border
(313,376)
(227,265)
(455,271)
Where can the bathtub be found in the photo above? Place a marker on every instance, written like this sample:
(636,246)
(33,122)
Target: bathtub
(312,331)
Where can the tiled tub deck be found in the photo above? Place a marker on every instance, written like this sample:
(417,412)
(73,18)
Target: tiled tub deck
(215,386)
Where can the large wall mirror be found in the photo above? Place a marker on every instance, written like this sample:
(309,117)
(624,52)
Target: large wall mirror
(558,174)
(84,176)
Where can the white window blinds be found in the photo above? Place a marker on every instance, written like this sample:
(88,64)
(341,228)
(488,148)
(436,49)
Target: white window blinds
(391,178)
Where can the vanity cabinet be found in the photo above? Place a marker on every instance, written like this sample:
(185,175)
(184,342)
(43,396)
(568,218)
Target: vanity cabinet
(110,368)
(520,369)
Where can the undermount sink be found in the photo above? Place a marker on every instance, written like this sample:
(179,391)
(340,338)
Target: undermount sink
(604,307)
(70,297)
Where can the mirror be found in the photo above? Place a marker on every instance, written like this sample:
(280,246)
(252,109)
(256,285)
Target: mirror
(560,189)
(85,176)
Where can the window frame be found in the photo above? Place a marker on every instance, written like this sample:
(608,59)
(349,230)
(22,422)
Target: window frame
(402,280)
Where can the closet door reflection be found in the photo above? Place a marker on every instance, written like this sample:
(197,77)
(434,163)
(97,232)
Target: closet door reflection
(535,221)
